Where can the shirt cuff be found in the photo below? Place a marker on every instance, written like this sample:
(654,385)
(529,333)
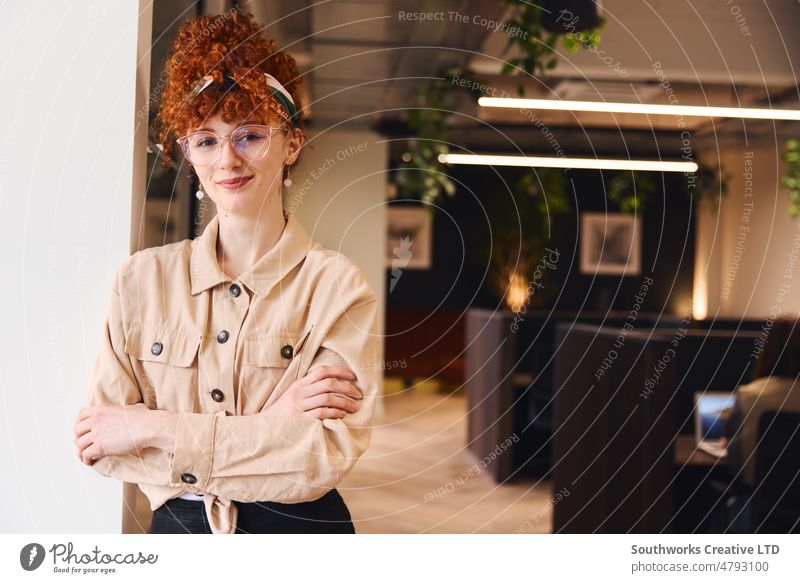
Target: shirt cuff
(194,450)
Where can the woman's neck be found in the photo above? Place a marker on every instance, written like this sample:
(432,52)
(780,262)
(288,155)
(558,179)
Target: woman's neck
(243,240)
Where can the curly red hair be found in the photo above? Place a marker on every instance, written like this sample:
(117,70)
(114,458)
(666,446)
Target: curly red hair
(230,44)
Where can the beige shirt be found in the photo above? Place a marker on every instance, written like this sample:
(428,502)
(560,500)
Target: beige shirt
(179,337)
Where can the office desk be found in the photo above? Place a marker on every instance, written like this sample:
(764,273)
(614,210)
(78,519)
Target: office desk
(686,454)
(695,498)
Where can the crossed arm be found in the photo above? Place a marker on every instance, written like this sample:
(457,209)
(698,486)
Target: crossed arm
(105,429)
(306,440)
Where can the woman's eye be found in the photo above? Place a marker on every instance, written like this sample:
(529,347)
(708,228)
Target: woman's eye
(252,137)
(204,142)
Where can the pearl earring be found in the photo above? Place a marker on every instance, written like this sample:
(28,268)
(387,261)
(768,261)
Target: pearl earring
(287,182)
(199,194)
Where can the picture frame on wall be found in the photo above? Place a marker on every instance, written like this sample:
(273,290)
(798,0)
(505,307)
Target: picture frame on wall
(610,244)
(410,238)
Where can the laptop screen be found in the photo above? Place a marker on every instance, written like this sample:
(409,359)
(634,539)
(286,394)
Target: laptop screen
(710,407)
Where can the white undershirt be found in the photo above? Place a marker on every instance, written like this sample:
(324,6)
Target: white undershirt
(192,496)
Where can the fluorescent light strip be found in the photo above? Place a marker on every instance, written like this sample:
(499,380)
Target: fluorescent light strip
(580,163)
(641,108)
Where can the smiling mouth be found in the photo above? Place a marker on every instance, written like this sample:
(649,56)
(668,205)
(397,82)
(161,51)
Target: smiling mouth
(234,183)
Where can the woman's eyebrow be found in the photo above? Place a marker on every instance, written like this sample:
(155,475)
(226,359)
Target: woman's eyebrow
(244,123)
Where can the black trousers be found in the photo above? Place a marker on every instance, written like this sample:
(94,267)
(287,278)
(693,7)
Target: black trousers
(326,515)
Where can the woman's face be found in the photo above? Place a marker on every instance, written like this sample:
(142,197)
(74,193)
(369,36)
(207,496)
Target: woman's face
(248,188)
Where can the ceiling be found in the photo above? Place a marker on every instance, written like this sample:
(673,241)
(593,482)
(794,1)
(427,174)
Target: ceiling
(362,60)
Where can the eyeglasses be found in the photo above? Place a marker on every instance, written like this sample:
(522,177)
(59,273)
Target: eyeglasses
(251,142)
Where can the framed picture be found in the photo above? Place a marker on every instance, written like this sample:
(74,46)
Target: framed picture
(610,244)
(409,239)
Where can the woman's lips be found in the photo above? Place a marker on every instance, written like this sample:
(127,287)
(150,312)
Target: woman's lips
(234,183)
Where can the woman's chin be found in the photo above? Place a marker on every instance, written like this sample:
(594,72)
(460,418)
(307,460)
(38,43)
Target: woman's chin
(239,203)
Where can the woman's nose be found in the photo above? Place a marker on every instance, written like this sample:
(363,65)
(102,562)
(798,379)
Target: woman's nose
(228,157)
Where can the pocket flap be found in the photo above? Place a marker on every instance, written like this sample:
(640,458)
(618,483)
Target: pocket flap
(158,343)
(273,350)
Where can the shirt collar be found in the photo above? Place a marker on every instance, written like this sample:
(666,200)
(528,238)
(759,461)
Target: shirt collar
(272,267)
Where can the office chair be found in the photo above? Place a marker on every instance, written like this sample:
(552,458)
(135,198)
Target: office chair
(776,486)
(772,505)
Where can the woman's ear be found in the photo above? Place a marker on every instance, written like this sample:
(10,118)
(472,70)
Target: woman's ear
(295,141)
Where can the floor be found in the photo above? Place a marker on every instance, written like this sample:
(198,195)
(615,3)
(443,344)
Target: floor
(418,477)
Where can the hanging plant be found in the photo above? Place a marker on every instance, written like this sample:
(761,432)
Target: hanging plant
(522,269)
(423,175)
(707,185)
(791,179)
(631,190)
(537,45)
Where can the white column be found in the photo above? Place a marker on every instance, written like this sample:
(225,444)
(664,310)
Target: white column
(71,163)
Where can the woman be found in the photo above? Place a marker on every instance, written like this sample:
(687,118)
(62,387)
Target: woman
(237,376)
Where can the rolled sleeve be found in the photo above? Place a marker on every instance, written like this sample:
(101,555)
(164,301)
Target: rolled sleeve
(194,448)
(112,381)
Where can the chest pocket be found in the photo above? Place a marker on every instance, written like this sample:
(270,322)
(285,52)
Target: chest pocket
(267,358)
(164,359)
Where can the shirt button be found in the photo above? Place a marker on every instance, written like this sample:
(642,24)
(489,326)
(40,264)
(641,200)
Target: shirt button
(217,395)
(188,478)
(235,290)
(222,337)
(287,351)
(156,348)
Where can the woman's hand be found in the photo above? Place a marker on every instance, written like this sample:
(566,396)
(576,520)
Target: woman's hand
(324,393)
(112,430)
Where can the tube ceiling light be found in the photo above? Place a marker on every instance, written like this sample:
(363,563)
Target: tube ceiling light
(577,163)
(641,108)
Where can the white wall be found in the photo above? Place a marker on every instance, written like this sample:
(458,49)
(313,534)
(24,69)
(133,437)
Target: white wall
(747,246)
(68,72)
(339,195)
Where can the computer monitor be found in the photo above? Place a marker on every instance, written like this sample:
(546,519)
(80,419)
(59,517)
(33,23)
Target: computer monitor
(710,414)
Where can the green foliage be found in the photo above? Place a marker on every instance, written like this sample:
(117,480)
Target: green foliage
(707,185)
(423,176)
(537,45)
(631,190)
(585,39)
(525,225)
(791,179)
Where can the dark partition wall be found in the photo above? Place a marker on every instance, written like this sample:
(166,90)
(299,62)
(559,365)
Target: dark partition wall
(490,394)
(612,438)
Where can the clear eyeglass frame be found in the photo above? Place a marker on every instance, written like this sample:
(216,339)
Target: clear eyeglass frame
(183,142)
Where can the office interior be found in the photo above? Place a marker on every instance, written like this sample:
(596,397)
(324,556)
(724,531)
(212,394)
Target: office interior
(549,319)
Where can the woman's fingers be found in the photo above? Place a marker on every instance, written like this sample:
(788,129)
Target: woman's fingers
(326,371)
(83,436)
(82,427)
(331,400)
(84,441)
(332,385)
(86,447)
(325,413)
(91,454)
